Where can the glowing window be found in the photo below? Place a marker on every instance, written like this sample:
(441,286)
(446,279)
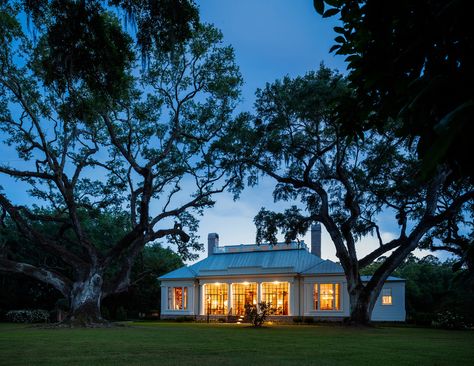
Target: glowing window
(327,296)
(276,293)
(387,296)
(177,298)
(216,296)
(242,294)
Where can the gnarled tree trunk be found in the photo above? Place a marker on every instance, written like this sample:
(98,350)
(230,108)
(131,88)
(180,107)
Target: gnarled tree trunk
(85,301)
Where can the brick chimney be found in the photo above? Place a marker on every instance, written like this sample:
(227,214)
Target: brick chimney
(212,242)
(316,239)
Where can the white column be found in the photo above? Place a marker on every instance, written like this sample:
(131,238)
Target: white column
(259,293)
(229,299)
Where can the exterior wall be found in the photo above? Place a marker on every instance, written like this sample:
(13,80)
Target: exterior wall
(307,297)
(191,298)
(300,296)
(395,312)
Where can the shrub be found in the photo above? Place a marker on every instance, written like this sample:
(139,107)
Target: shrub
(258,315)
(28,316)
(181,319)
(308,320)
(450,320)
(121,313)
(105,312)
(424,319)
(298,320)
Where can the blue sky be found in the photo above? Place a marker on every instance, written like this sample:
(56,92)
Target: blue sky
(271,39)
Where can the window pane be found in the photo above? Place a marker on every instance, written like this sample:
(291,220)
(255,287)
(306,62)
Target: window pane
(387,296)
(216,296)
(315,296)
(276,294)
(337,298)
(243,294)
(178,298)
(327,296)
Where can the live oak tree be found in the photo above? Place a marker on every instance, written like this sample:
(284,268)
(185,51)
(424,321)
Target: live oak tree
(297,139)
(410,61)
(87,138)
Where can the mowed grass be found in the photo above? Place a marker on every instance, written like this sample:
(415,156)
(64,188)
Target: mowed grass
(232,344)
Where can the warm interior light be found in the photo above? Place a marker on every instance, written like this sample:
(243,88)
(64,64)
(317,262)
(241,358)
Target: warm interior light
(276,282)
(245,283)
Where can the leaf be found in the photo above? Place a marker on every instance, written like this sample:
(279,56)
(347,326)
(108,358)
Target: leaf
(319,6)
(339,30)
(340,39)
(330,12)
(335,47)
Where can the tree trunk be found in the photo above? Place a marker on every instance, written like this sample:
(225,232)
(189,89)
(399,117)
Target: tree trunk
(361,308)
(85,301)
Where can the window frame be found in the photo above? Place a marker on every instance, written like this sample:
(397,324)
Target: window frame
(172,298)
(337,296)
(265,294)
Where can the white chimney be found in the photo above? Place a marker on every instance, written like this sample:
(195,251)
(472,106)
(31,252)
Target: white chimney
(212,242)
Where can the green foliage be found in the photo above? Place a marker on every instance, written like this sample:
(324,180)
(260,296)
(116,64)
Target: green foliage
(411,61)
(114,156)
(257,315)
(28,316)
(433,288)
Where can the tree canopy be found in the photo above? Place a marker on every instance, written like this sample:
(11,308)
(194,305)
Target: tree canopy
(297,139)
(99,135)
(410,61)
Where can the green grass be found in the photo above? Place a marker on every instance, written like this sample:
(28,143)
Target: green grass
(232,344)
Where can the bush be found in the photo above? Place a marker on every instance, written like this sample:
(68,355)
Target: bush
(182,319)
(28,316)
(423,319)
(298,320)
(257,316)
(105,312)
(121,313)
(308,320)
(450,320)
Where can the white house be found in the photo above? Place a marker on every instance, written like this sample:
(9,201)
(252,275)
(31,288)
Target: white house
(295,281)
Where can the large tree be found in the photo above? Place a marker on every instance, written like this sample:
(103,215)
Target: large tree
(410,61)
(91,132)
(297,139)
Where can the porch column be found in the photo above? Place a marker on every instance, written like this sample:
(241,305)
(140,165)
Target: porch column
(259,293)
(229,299)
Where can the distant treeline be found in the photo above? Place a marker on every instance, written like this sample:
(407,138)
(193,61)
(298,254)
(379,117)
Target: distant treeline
(433,290)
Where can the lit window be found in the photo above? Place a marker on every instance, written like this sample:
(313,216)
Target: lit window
(177,298)
(242,294)
(216,297)
(387,296)
(276,293)
(327,296)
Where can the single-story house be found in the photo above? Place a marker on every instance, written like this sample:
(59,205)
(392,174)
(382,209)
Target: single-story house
(296,281)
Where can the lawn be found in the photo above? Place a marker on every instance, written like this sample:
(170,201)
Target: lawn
(232,344)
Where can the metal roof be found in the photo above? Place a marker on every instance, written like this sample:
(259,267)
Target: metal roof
(389,278)
(291,261)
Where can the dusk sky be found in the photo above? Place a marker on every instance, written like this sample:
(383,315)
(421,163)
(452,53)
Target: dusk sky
(271,39)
